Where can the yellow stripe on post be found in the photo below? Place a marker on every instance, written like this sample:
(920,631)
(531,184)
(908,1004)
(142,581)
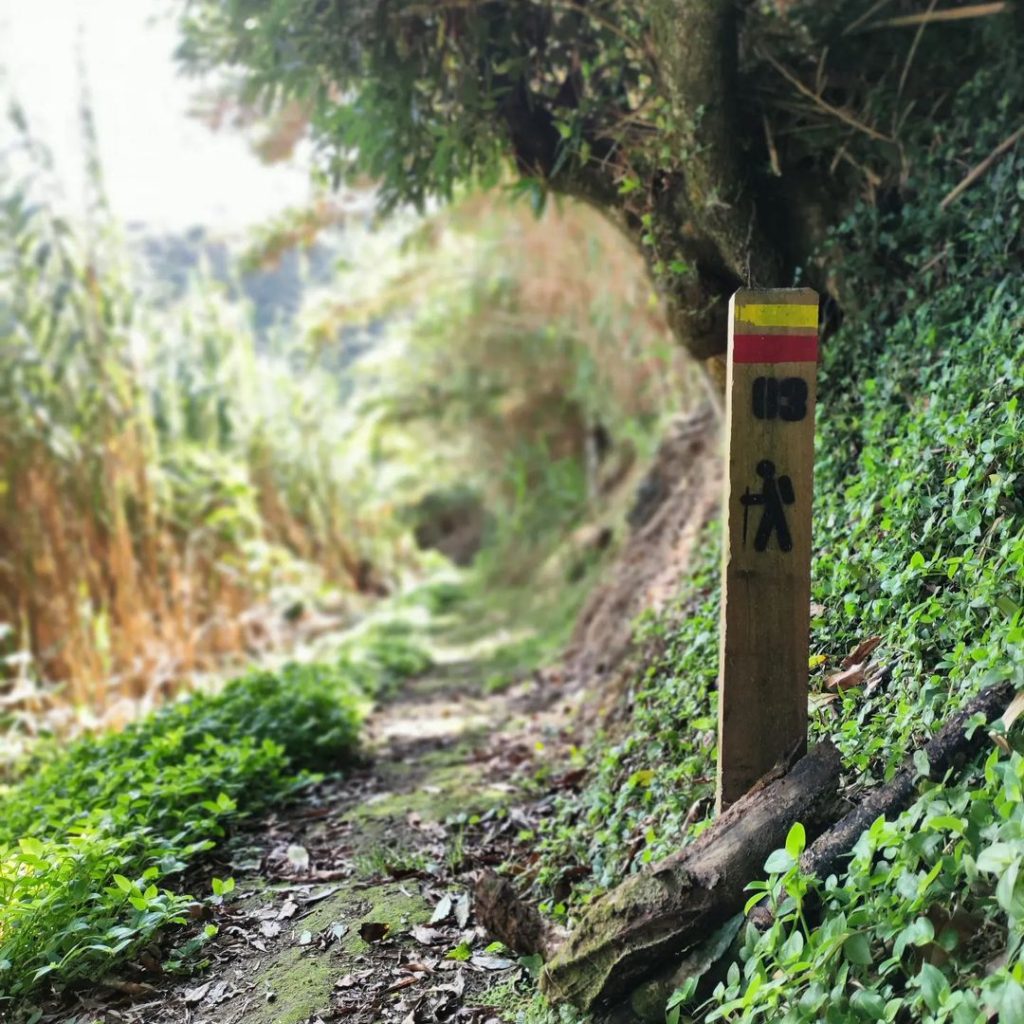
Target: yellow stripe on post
(778,315)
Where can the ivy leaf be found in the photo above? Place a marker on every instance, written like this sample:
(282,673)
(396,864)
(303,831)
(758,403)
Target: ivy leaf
(870,1003)
(1008,999)
(934,986)
(796,841)
(778,862)
(857,949)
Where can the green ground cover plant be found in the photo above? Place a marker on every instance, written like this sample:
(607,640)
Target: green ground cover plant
(919,523)
(94,840)
(383,656)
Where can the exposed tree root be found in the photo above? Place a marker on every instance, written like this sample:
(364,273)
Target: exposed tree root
(654,917)
(635,937)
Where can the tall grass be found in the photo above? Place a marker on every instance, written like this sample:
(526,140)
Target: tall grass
(160,478)
(148,500)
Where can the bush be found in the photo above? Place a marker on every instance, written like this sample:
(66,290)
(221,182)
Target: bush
(382,657)
(89,842)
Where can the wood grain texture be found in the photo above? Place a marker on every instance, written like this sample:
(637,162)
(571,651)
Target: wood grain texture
(767,545)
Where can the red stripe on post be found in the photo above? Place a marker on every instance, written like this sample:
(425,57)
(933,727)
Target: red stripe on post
(775,348)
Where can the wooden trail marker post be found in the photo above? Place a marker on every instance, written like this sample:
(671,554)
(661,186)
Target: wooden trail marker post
(770,397)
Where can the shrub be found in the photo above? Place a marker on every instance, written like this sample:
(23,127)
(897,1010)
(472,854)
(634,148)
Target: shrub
(90,841)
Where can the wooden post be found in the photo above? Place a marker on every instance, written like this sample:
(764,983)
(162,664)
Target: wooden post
(770,396)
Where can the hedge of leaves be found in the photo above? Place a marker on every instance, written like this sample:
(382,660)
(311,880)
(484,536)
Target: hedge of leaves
(93,841)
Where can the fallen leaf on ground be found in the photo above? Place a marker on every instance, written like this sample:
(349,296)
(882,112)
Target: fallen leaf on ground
(462,910)
(287,910)
(458,986)
(861,652)
(428,936)
(271,929)
(373,931)
(305,938)
(404,982)
(419,967)
(316,897)
(197,994)
(298,857)
(491,963)
(847,679)
(442,910)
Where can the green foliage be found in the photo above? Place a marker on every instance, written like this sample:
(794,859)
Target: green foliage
(507,378)
(919,538)
(383,656)
(91,841)
(926,924)
(643,785)
(432,93)
(186,475)
(921,502)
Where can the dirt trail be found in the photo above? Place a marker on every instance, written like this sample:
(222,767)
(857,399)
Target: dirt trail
(353,903)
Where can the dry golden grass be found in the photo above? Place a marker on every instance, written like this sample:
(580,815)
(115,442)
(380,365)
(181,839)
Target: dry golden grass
(125,569)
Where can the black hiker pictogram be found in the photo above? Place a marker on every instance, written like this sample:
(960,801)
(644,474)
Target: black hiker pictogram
(775,494)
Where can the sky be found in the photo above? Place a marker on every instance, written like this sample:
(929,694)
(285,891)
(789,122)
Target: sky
(162,168)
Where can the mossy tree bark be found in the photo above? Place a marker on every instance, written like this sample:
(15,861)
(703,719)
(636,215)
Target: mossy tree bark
(704,210)
(655,916)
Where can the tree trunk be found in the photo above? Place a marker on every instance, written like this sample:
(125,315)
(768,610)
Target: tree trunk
(706,216)
(702,212)
(655,916)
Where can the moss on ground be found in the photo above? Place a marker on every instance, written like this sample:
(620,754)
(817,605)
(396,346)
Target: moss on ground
(390,904)
(293,987)
(447,791)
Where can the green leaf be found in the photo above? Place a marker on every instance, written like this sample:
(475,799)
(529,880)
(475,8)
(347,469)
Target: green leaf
(869,1003)
(934,986)
(792,947)
(857,949)
(1007,998)
(997,857)
(778,862)
(32,846)
(796,840)
(532,965)
(644,777)
(1006,891)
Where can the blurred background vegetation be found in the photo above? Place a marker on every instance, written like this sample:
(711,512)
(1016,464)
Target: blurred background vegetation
(210,451)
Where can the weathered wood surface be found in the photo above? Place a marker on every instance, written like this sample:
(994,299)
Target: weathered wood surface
(516,923)
(654,917)
(770,399)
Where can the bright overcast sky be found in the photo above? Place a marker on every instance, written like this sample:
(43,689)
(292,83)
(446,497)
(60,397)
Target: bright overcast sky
(161,167)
